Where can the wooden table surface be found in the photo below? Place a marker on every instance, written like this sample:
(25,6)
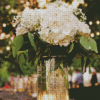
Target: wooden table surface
(6,94)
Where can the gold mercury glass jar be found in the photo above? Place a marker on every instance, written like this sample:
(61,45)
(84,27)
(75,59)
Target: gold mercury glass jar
(29,86)
(20,85)
(34,85)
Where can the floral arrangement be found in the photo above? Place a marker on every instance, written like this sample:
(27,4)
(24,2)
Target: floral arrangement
(57,27)
(57,24)
(60,26)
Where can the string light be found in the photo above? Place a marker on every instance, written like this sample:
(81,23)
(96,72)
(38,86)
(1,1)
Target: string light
(1,51)
(90,22)
(85,4)
(7,48)
(27,3)
(97,33)
(9,12)
(21,1)
(12,10)
(97,22)
(3,35)
(15,11)
(92,35)
(4,25)
(8,35)
(12,38)
(24,5)
(7,7)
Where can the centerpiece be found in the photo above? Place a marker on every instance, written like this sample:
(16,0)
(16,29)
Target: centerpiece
(45,38)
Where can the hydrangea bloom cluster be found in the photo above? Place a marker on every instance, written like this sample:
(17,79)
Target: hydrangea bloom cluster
(56,25)
(29,21)
(59,25)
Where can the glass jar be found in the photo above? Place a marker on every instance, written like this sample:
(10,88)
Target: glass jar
(55,71)
(29,86)
(20,85)
(34,85)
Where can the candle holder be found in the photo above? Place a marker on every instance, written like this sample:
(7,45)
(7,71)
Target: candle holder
(15,84)
(20,85)
(25,82)
(56,78)
(29,86)
(34,85)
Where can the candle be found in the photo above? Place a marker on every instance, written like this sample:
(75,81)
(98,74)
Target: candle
(34,86)
(20,85)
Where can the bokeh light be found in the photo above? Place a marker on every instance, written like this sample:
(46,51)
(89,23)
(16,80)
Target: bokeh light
(85,4)
(2,36)
(90,23)
(12,10)
(97,33)
(12,38)
(4,25)
(8,48)
(97,22)
(7,7)
(92,34)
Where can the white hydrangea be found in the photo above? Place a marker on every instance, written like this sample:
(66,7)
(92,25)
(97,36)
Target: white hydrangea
(84,28)
(59,25)
(56,25)
(21,30)
(29,20)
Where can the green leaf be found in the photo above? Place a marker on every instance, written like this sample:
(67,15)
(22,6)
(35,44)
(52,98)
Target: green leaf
(40,38)
(18,42)
(21,60)
(0,83)
(83,41)
(33,67)
(26,67)
(25,52)
(90,70)
(71,48)
(88,44)
(85,58)
(22,57)
(64,75)
(2,3)
(31,40)
(84,67)
(36,62)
